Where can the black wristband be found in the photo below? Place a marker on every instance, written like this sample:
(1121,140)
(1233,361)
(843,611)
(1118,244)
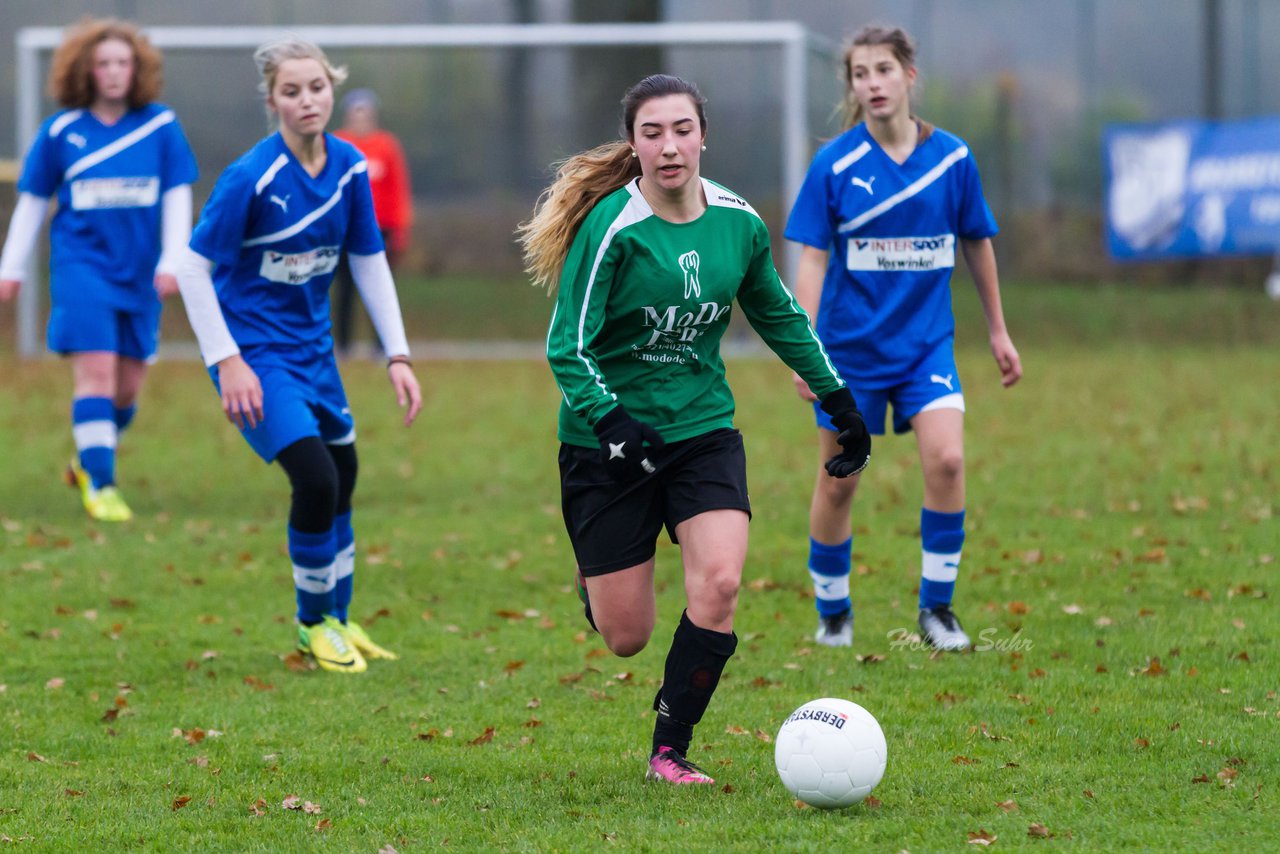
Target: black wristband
(399,360)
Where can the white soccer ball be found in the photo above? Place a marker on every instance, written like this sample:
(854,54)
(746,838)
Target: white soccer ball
(830,753)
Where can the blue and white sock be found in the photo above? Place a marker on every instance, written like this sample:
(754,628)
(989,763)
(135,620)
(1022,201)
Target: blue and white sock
(314,573)
(829,569)
(124,417)
(345,565)
(941,538)
(93,425)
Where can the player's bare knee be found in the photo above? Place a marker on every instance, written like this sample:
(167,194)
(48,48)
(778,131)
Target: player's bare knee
(948,466)
(626,641)
(837,491)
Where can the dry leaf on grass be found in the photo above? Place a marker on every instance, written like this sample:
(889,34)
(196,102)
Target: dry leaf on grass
(981,837)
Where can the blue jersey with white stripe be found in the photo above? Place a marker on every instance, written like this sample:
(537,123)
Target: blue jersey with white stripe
(275,234)
(891,230)
(108,180)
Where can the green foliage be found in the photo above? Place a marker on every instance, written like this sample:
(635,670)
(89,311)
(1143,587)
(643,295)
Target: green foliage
(1119,571)
(1076,166)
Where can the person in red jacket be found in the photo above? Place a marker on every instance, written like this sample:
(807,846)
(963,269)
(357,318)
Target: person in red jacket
(392,199)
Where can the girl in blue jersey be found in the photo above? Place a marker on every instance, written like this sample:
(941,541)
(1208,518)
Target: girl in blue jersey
(121,171)
(256,288)
(879,215)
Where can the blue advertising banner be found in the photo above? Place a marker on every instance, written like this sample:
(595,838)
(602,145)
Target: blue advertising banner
(1193,189)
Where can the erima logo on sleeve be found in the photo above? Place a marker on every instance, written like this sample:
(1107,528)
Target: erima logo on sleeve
(689,264)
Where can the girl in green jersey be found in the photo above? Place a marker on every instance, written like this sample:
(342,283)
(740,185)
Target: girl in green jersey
(649,259)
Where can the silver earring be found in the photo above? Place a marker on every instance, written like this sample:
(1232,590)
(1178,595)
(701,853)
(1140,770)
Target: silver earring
(704,148)
(633,153)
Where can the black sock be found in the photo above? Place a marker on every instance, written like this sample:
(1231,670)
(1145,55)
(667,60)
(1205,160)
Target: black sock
(694,664)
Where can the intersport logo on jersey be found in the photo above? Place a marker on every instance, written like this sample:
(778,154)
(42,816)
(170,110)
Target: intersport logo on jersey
(298,268)
(904,254)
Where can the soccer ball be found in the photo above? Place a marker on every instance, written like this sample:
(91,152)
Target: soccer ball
(830,753)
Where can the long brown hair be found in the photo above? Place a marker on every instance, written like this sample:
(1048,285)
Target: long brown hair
(585,178)
(71,74)
(903,48)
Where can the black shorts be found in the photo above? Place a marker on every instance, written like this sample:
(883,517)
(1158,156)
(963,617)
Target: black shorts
(615,525)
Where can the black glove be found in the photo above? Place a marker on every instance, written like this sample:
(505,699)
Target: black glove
(855,441)
(622,439)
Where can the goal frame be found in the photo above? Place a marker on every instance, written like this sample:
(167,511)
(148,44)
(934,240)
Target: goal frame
(791,37)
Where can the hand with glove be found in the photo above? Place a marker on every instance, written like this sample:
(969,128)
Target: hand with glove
(622,445)
(855,441)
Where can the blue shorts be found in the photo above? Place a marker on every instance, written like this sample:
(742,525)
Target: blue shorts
(79,323)
(934,383)
(297,401)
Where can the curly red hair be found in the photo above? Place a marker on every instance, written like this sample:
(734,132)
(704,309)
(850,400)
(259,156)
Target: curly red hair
(71,77)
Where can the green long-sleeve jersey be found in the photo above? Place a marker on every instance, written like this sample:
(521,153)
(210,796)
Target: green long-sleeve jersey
(643,304)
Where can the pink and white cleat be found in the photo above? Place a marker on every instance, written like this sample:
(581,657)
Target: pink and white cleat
(669,766)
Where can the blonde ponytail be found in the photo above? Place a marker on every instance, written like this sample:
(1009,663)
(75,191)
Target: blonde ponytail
(580,182)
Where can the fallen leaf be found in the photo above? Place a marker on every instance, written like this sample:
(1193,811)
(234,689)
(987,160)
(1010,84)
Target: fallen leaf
(981,837)
(1203,778)
(1153,668)
(872,802)
(1088,793)
(292,802)
(72,793)
(734,729)
(296,662)
(761,735)
(1072,609)
(1008,806)
(871,658)
(483,738)
(1142,743)
(963,760)
(55,683)
(531,723)
(1039,831)
(513,666)
(35,757)
(323,825)
(311,809)
(180,802)
(1018,608)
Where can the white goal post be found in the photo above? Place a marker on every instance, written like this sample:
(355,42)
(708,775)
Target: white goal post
(796,44)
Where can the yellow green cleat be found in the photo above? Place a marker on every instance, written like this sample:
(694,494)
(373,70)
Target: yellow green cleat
(365,645)
(105,504)
(331,647)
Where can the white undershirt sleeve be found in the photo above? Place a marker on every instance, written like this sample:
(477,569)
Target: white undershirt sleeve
(24,227)
(195,281)
(372,275)
(175,228)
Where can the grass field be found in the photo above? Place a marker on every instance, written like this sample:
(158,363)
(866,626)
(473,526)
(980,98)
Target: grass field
(1119,577)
